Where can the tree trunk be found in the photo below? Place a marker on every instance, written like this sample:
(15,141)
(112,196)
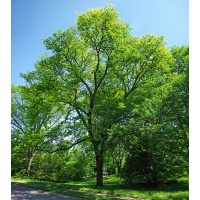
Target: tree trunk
(119,168)
(30,159)
(99,168)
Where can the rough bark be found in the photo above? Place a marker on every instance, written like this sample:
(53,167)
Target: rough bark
(99,168)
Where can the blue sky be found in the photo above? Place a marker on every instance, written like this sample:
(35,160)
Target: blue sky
(34,20)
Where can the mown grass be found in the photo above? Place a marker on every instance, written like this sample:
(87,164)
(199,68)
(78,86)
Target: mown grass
(112,186)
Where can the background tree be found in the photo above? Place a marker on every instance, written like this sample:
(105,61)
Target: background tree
(100,73)
(116,150)
(158,149)
(176,103)
(32,120)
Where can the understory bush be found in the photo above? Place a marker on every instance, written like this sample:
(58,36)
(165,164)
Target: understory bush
(62,167)
(153,161)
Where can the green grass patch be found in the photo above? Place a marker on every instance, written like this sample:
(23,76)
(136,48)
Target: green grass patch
(112,186)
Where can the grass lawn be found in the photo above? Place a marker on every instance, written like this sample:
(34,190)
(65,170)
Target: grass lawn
(112,186)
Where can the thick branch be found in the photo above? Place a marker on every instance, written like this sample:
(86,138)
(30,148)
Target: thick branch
(104,75)
(64,148)
(97,68)
(137,80)
(87,86)
(82,118)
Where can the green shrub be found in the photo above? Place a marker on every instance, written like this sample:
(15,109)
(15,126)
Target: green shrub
(154,160)
(63,167)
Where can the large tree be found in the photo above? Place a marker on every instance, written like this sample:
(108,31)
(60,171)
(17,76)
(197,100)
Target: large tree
(100,72)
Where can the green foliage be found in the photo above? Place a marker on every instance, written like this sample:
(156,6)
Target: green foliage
(104,87)
(32,120)
(63,167)
(18,163)
(158,151)
(154,158)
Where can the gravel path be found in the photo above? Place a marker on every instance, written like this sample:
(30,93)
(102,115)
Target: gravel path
(25,193)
